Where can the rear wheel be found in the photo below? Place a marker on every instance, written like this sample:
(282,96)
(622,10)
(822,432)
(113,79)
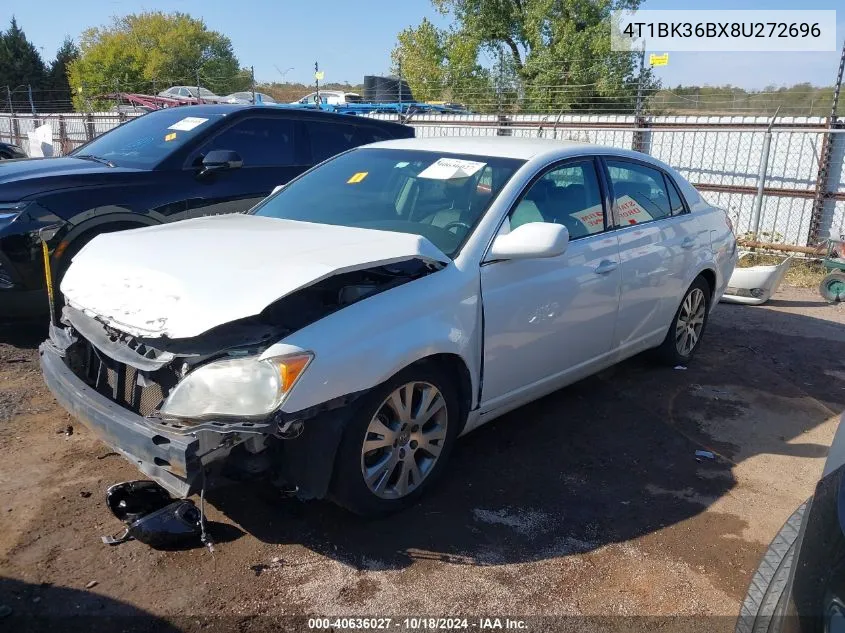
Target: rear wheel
(397,443)
(687,328)
(832,287)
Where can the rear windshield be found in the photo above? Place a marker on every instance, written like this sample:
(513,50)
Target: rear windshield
(146,141)
(440,196)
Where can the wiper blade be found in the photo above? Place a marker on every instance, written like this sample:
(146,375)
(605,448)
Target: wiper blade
(96,159)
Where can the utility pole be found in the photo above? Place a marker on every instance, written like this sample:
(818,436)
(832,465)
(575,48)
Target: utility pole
(199,99)
(821,194)
(317,81)
(639,107)
(399,68)
(639,122)
(252,74)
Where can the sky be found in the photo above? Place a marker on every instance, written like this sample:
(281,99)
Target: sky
(283,38)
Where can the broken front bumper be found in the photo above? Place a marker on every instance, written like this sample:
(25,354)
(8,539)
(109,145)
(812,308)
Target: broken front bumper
(171,459)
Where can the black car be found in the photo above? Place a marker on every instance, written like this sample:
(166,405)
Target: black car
(167,165)
(799,586)
(7,151)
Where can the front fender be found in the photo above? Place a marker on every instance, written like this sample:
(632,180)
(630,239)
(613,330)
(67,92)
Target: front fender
(364,344)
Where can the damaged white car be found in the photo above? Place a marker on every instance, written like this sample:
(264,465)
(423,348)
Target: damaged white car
(348,329)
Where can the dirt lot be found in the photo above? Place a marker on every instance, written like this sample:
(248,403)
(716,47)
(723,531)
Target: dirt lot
(589,502)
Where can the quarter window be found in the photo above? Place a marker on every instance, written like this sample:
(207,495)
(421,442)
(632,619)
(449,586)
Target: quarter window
(674,197)
(640,192)
(569,195)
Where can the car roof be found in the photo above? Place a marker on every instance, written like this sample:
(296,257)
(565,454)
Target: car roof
(507,147)
(225,109)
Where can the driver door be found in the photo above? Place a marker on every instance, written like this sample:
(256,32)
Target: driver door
(549,322)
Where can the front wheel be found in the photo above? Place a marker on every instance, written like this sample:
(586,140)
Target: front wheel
(832,287)
(397,443)
(687,328)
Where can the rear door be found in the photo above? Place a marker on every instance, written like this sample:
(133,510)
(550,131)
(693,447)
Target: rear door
(272,153)
(658,238)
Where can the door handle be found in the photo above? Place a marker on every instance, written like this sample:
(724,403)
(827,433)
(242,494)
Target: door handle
(606,266)
(688,242)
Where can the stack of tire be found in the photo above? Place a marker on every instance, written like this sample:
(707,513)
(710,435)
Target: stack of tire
(386,90)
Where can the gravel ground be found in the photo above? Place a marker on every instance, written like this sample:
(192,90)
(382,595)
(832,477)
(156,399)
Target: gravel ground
(589,502)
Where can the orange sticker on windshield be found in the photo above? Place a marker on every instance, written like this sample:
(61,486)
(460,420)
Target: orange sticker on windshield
(357,177)
(170,136)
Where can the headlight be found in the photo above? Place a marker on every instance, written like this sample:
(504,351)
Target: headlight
(236,387)
(11,210)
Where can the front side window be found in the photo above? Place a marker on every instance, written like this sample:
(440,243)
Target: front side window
(639,191)
(568,195)
(436,195)
(260,142)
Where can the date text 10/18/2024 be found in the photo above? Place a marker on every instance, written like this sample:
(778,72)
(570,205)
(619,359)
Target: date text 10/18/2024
(417,624)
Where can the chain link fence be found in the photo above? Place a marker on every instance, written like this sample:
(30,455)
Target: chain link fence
(801,202)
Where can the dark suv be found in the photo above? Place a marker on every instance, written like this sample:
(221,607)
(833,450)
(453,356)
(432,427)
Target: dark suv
(167,165)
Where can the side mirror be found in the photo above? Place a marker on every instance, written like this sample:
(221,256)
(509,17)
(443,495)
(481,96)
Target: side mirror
(220,160)
(533,240)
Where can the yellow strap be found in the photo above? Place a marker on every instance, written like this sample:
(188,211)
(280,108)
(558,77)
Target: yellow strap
(48,277)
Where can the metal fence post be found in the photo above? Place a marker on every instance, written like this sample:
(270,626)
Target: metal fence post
(63,143)
(761,179)
(825,179)
(89,126)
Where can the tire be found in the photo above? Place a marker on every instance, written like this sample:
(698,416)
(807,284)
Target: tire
(832,287)
(768,585)
(349,488)
(669,352)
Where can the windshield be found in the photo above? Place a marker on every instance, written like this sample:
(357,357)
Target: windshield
(439,196)
(146,141)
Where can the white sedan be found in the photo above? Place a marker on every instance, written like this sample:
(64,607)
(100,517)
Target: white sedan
(346,331)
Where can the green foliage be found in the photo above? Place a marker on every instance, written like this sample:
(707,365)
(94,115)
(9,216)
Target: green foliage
(57,79)
(20,66)
(548,55)
(801,99)
(149,52)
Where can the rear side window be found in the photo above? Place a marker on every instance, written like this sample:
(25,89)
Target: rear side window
(329,139)
(260,141)
(640,192)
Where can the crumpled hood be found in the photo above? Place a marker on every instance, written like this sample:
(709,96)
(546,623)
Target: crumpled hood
(180,280)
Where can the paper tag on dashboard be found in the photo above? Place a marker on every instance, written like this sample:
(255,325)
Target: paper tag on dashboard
(450,168)
(187,124)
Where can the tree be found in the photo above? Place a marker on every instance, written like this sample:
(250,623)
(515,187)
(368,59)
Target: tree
(557,50)
(147,52)
(59,85)
(421,54)
(20,66)
(441,65)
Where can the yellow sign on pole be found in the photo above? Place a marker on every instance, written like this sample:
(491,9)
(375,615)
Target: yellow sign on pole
(658,60)
(319,75)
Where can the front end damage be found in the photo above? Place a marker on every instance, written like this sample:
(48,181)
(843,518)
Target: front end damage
(116,383)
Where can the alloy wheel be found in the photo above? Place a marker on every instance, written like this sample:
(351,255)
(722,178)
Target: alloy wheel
(690,322)
(404,440)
